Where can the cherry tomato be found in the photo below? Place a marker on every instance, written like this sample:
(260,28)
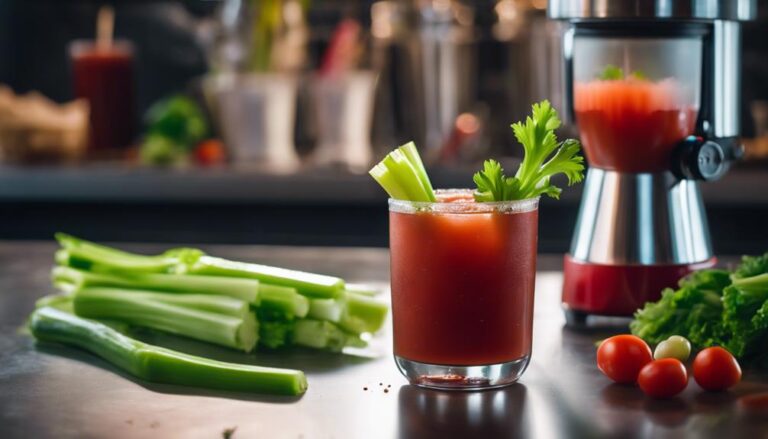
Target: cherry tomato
(663,378)
(716,369)
(621,357)
(210,152)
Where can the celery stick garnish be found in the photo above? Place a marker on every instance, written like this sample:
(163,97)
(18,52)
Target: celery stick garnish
(401,173)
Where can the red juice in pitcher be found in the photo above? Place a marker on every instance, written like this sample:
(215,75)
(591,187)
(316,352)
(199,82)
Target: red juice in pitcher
(632,125)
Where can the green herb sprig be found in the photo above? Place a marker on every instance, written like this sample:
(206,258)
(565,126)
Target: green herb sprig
(616,73)
(544,157)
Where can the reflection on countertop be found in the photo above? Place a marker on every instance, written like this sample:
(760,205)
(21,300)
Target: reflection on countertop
(425,413)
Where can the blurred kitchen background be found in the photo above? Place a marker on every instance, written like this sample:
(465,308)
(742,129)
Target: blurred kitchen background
(255,121)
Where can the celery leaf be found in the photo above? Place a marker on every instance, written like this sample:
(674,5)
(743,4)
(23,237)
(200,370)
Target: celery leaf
(544,157)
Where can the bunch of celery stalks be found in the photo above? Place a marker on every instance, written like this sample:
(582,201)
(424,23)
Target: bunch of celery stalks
(107,293)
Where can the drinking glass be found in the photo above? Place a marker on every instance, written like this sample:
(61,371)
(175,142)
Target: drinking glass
(344,110)
(462,278)
(256,115)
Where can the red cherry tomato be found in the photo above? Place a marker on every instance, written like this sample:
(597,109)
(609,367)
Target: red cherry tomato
(663,378)
(716,369)
(210,152)
(621,357)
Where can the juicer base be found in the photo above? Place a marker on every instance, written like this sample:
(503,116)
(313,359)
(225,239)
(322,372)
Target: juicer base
(447,377)
(618,290)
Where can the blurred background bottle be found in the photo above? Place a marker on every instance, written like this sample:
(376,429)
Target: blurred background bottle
(103,73)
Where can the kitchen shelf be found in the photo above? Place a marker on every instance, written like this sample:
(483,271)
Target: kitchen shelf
(313,207)
(115,183)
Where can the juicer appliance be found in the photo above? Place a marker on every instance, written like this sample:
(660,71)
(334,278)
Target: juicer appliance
(654,89)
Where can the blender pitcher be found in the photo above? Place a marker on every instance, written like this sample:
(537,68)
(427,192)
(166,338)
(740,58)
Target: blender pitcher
(654,89)
(635,99)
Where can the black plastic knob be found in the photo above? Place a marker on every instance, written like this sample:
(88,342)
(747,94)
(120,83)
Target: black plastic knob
(699,159)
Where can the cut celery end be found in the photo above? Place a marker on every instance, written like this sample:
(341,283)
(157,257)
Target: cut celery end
(403,176)
(243,289)
(402,170)
(386,179)
(283,301)
(274,334)
(363,314)
(318,334)
(355,313)
(326,309)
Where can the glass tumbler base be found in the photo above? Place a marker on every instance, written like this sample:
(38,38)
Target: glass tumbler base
(445,377)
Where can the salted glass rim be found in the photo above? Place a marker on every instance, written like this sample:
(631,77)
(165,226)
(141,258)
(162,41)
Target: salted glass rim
(511,206)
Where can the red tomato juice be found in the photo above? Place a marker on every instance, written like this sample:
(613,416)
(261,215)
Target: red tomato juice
(104,76)
(632,125)
(463,284)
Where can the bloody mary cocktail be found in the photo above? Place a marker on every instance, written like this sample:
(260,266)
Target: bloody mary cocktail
(632,125)
(462,277)
(104,76)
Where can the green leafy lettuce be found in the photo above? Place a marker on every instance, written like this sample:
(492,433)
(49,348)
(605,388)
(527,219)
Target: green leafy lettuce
(714,308)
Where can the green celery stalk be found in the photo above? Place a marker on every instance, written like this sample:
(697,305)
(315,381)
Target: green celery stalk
(308,284)
(320,334)
(283,301)
(195,318)
(363,314)
(355,313)
(388,181)
(402,174)
(160,365)
(228,306)
(243,289)
(84,254)
(398,165)
(412,154)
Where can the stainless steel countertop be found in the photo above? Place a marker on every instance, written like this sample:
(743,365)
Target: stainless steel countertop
(63,393)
